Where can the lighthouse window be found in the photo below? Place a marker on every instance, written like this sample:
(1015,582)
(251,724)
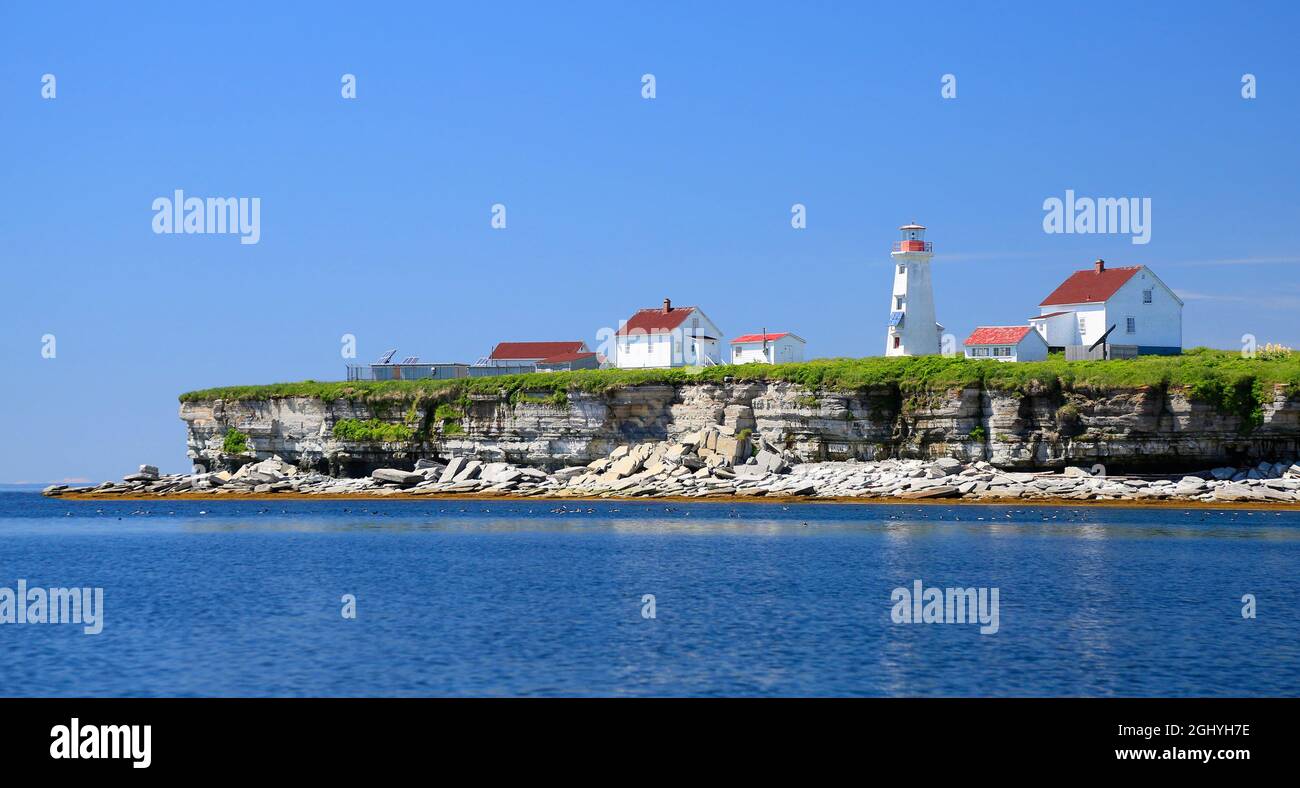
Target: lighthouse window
(1146,296)
(898,302)
(902,269)
(897,341)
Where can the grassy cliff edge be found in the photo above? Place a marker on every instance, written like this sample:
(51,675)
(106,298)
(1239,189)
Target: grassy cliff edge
(1208,374)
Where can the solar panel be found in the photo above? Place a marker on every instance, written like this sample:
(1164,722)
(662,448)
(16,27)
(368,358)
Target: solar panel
(411,360)
(895,318)
(387,357)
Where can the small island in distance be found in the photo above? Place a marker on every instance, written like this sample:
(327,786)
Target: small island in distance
(1206,426)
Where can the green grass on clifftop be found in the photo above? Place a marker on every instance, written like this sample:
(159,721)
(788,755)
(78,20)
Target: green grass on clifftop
(1214,375)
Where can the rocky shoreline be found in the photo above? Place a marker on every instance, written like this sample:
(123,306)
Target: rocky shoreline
(715,462)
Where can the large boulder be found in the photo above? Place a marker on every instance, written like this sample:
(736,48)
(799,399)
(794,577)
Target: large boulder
(470,470)
(731,449)
(626,466)
(948,465)
(454,466)
(396,476)
(771,462)
(491,471)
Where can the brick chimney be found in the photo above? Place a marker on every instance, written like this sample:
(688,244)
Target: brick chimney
(1099,265)
(668,306)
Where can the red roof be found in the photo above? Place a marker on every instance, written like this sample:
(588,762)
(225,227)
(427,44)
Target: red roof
(1090,286)
(566,357)
(759,337)
(650,321)
(530,350)
(997,335)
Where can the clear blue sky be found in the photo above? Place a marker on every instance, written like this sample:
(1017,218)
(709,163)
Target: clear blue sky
(375,212)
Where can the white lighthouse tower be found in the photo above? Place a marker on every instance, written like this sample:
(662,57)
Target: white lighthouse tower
(912,328)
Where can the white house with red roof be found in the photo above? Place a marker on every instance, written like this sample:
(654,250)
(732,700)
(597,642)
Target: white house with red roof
(767,348)
(1006,343)
(1143,310)
(667,336)
(524,354)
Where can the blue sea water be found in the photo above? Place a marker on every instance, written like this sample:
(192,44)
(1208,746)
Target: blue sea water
(231,598)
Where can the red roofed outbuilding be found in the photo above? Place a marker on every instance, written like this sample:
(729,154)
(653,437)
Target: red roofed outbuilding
(1006,343)
(767,348)
(519,354)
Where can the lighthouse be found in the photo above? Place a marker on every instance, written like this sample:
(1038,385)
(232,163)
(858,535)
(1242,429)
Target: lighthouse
(912,329)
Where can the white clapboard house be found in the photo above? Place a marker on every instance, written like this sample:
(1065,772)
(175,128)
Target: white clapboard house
(668,336)
(1146,314)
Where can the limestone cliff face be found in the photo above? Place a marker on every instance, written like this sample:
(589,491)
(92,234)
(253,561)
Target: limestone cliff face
(1128,429)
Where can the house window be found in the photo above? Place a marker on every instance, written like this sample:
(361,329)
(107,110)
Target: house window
(1083,325)
(1146,296)
(1130,325)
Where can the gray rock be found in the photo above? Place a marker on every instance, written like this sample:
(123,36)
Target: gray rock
(626,465)
(1235,492)
(492,470)
(750,471)
(771,462)
(396,476)
(470,470)
(454,466)
(948,465)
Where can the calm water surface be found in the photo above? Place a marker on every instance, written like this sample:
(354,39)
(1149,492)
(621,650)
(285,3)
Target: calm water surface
(543,598)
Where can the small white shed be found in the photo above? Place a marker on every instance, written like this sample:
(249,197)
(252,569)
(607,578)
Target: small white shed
(767,348)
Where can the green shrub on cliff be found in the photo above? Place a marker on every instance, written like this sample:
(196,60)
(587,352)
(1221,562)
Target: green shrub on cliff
(235,442)
(449,416)
(372,430)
